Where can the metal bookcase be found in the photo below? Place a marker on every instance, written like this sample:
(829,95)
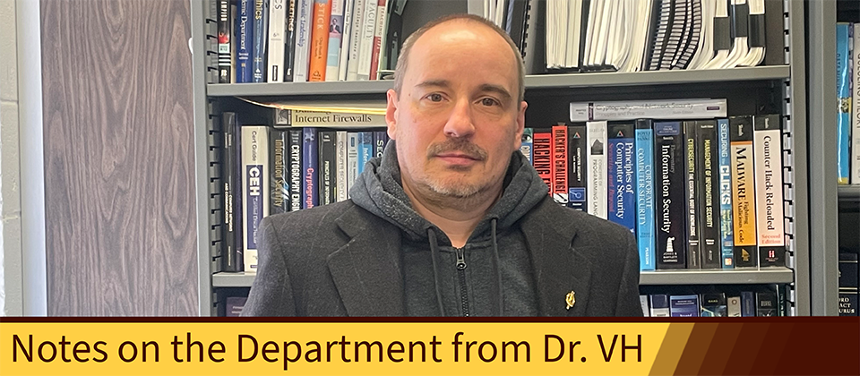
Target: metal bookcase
(789,81)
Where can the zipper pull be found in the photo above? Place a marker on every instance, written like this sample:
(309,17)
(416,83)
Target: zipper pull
(461,258)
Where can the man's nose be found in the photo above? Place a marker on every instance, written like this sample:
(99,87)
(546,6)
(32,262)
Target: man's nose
(460,121)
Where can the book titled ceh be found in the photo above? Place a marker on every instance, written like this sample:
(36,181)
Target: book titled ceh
(255,158)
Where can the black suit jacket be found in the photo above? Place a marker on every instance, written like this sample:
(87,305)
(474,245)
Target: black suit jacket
(341,260)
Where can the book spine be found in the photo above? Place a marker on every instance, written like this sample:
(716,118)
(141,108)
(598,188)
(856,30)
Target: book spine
(296,176)
(366,49)
(542,161)
(327,140)
(303,40)
(279,186)
(379,138)
(671,220)
(342,184)
(733,306)
(577,151)
(310,168)
(692,192)
(303,118)
(261,23)
(747,304)
(743,191)
(621,170)
(225,19)
(277,36)
(559,164)
(365,149)
(768,182)
(231,260)
(596,133)
(659,305)
(713,304)
(726,231)
(290,41)
(378,34)
(335,35)
(352,141)
(652,109)
(244,36)
(855,132)
(357,28)
(643,302)
(319,40)
(646,239)
(684,305)
(254,180)
(709,191)
(346,38)
(843,95)
(766,304)
(526,143)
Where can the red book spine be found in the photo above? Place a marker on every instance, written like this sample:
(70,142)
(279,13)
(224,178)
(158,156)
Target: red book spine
(378,32)
(319,40)
(542,146)
(559,164)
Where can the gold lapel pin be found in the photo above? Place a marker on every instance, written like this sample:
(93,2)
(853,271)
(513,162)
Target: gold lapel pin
(570,299)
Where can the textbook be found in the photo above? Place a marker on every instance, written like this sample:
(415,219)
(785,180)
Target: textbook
(669,196)
(768,180)
(743,192)
(652,109)
(596,176)
(620,180)
(645,235)
(255,158)
(576,167)
(725,170)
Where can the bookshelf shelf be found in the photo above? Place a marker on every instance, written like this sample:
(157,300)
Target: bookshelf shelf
(717,277)
(545,81)
(240,279)
(663,277)
(849,192)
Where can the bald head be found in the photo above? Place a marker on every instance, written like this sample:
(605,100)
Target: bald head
(466,19)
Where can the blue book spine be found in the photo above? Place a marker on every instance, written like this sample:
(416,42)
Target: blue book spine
(365,149)
(244,34)
(647,241)
(261,23)
(526,143)
(747,304)
(621,179)
(310,162)
(843,95)
(727,240)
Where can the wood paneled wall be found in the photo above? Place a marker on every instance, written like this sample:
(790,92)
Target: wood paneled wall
(119,155)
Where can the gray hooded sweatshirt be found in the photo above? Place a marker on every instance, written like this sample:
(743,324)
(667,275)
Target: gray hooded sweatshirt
(490,276)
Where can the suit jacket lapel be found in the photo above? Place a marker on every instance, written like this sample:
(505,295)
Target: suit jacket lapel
(558,268)
(367,269)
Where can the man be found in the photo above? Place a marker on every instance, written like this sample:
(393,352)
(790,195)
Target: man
(452,220)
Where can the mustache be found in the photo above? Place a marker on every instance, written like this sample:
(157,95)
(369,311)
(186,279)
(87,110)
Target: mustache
(459,145)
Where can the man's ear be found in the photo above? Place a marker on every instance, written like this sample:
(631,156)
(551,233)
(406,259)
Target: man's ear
(521,124)
(391,113)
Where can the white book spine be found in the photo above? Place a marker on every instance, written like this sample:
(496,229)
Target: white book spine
(355,40)
(767,157)
(303,40)
(341,157)
(335,35)
(277,33)
(855,108)
(368,27)
(345,41)
(351,159)
(656,109)
(596,176)
(255,157)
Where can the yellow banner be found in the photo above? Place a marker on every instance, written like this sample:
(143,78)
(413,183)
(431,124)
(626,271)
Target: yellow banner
(320,348)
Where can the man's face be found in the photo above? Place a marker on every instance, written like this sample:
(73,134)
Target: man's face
(457,118)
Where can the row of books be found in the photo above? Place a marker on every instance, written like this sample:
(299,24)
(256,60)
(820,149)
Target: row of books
(306,40)
(629,36)
(268,170)
(848,94)
(761,301)
(849,282)
(700,193)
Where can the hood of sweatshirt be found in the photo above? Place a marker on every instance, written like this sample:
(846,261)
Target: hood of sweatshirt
(379,190)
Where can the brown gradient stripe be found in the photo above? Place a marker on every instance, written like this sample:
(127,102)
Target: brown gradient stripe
(697,348)
(720,349)
(670,350)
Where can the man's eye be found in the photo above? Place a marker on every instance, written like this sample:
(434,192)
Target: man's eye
(489,102)
(435,97)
